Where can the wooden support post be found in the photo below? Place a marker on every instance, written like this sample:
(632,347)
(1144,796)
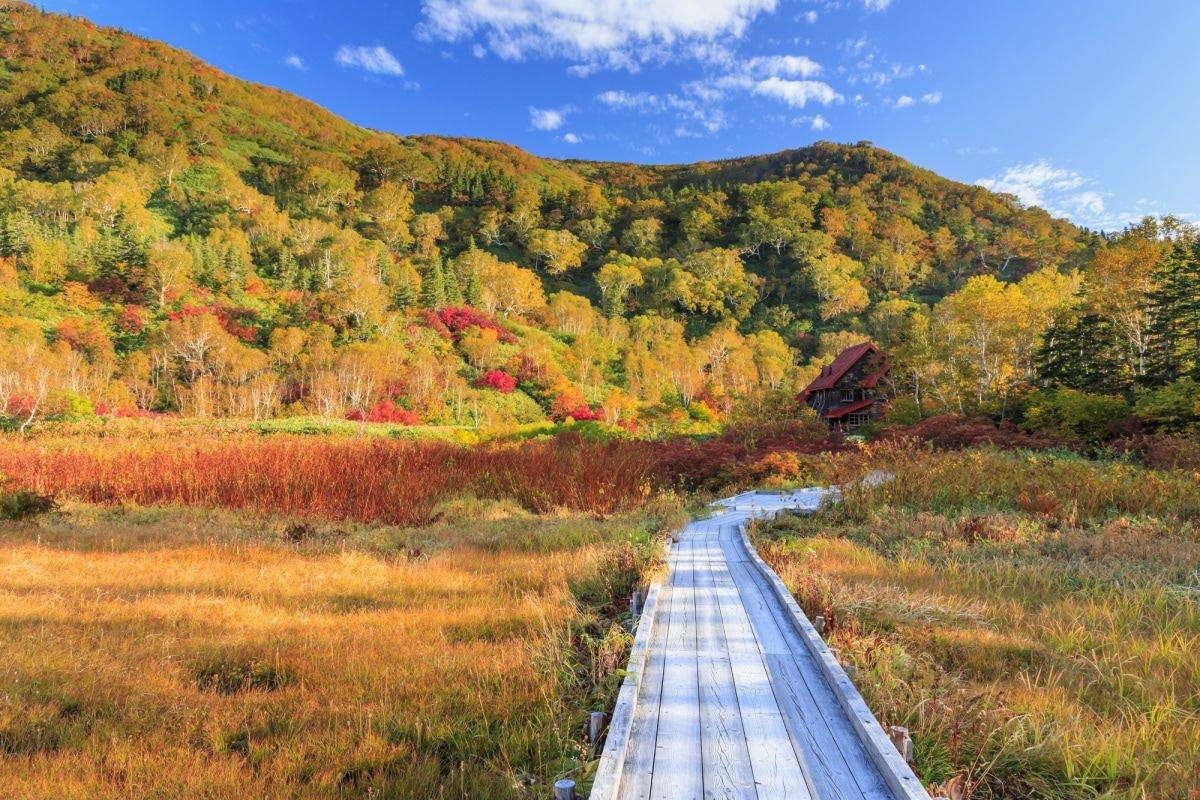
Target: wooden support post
(564,790)
(819,624)
(635,603)
(595,726)
(899,736)
(850,669)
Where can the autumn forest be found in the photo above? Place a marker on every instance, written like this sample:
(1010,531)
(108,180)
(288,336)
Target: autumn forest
(174,241)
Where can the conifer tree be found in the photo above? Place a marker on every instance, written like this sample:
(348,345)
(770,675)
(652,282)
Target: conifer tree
(1175,313)
(452,292)
(473,290)
(433,287)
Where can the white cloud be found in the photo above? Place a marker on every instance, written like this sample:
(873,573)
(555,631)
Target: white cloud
(376,60)
(1063,193)
(571,138)
(933,98)
(777,66)
(638,101)
(548,119)
(876,5)
(797,94)
(904,101)
(810,17)
(296,62)
(819,123)
(616,33)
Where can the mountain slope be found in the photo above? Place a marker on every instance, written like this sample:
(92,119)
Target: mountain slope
(149,202)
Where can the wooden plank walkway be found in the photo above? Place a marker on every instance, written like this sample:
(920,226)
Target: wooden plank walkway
(731,697)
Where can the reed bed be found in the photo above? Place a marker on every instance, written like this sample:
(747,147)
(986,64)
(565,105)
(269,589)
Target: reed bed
(388,482)
(1034,620)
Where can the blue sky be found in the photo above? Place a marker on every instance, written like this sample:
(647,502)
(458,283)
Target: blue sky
(1084,107)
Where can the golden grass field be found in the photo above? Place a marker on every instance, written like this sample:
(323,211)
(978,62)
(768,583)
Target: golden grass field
(167,653)
(1039,642)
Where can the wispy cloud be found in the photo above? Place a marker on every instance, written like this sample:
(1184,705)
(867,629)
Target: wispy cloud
(632,101)
(933,98)
(876,5)
(296,62)
(1063,193)
(377,60)
(609,34)
(548,119)
(571,138)
(903,101)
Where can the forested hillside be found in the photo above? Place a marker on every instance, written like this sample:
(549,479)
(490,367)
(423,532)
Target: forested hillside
(175,240)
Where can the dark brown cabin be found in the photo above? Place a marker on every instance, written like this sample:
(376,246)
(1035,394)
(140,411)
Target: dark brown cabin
(846,393)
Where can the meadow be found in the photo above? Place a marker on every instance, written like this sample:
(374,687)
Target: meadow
(238,614)
(171,651)
(1033,619)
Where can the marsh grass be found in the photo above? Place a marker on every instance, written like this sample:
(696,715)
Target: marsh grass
(1034,620)
(197,652)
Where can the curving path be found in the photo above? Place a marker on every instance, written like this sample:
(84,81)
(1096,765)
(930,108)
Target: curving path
(732,694)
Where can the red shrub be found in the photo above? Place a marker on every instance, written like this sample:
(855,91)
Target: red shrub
(386,411)
(132,319)
(458,320)
(497,379)
(957,432)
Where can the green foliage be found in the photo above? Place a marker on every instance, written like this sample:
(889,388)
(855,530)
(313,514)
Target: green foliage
(23,504)
(1173,407)
(1073,414)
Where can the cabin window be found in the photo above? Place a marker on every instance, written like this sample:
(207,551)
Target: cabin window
(858,419)
(847,395)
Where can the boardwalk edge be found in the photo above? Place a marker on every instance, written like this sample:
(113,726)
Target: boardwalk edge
(612,759)
(895,770)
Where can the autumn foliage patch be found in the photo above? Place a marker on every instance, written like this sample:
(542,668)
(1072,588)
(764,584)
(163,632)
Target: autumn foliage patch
(497,379)
(397,483)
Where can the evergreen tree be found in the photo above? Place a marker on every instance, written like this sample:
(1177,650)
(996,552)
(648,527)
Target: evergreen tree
(1083,352)
(234,268)
(1175,318)
(403,296)
(453,287)
(433,287)
(473,288)
(287,270)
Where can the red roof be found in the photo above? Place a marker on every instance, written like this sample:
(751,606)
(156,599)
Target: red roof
(838,413)
(841,365)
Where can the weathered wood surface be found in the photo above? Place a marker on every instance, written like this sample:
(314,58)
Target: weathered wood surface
(733,695)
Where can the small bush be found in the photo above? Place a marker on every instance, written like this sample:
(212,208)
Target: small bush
(241,675)
(497,379)
(23,504)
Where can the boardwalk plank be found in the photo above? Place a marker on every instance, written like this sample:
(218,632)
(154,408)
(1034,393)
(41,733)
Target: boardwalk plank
(678,772)
(732,703)
(777,766)
(726,757)
(643,734)
(835,755)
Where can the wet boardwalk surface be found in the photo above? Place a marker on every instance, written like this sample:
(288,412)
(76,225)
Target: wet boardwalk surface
(731,702)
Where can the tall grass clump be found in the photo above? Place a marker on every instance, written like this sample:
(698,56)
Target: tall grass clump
(391,482)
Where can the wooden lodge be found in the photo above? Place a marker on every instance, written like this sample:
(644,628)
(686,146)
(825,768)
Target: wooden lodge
(846,393)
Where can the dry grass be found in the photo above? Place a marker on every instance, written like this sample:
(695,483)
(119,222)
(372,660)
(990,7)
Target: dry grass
(389,482)
(1043,648)
(170,653)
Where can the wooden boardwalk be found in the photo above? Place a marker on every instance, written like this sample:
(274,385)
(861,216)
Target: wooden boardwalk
(728,694)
